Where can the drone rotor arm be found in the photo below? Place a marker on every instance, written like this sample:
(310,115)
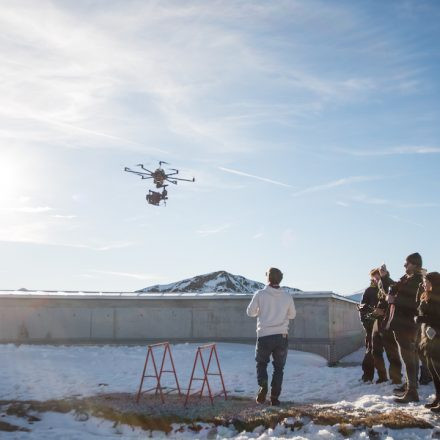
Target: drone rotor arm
(185,180)
(145,169)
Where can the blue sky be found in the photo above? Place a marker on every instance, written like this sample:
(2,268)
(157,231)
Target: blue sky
(310,126)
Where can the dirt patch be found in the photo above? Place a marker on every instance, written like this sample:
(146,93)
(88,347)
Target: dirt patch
(8,427)
(243,413)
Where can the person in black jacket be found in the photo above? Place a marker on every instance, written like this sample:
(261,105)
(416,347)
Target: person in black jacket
(384,339)
(371,311)
(366,314)
(402,300)
(429,317)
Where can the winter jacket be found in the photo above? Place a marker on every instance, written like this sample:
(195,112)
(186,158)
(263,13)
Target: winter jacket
(273,308)
(368,304)
(406,293)
(429,315)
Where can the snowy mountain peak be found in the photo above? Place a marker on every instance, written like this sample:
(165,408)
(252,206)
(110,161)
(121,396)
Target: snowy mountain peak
(220,281)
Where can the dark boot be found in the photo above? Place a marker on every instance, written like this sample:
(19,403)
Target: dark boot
(433,404)
(274,401)
(261,396)
(410,396)
(436,409)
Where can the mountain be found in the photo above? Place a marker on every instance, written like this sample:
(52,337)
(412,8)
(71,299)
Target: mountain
(357,296)
(220,281)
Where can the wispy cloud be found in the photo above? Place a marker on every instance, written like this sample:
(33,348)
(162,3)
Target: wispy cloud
(30,209)
(344,204)
(257,235)
(263,179)
(393,151)
(136,276)
(205,232)
(335,183)
(404,220)
(362,198)
(64,217)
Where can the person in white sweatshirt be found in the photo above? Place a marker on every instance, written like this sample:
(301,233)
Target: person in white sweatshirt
(273,308)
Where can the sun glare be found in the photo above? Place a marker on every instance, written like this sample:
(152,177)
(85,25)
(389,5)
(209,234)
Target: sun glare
(13,177)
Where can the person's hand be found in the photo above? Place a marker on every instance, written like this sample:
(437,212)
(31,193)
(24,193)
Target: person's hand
(379,312)
(383,270)
(391,299)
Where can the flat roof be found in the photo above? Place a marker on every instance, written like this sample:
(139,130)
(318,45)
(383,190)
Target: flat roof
(70,294)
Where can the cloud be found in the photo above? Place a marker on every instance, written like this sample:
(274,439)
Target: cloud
(288,237)
(263,179)
(206,232)
(344,204)
(394,151)
(65,217)
(137,276)
(335,183)
(362,198)
(403,220)
(257,235)
(109,79)
(31,209)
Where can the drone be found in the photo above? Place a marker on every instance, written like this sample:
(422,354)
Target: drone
(159,177)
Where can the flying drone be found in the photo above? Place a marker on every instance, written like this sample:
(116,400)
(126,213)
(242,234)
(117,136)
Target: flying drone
(159,176)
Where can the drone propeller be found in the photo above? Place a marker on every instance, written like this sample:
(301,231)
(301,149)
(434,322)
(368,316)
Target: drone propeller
(163,163)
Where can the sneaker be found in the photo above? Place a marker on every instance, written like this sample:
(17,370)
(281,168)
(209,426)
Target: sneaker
(432,404)
(261,396)
(409,396)
(274,401)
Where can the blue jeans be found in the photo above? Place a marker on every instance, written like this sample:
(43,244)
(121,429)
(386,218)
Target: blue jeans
(277,346)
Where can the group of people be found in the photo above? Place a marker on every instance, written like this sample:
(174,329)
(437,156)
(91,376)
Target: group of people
(402,318)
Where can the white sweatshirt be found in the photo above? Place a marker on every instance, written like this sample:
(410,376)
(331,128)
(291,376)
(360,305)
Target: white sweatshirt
(273,309)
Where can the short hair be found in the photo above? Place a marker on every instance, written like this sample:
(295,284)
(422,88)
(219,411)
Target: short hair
(275,275)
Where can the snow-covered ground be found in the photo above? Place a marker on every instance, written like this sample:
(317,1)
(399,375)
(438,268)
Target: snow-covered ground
(49,372)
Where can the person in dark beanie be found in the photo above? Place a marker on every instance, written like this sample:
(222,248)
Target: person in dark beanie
(429,318)
(402,309)
(273,308)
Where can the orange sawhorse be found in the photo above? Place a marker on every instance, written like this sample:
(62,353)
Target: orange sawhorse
(206,373)
(158,375)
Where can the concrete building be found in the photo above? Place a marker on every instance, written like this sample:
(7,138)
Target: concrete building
(326,323)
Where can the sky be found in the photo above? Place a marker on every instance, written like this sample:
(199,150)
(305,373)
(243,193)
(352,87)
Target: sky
(311,128)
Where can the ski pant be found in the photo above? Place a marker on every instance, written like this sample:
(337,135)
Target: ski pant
(368,361)
(384,340)
(406,339)
(434,368)
(277,346)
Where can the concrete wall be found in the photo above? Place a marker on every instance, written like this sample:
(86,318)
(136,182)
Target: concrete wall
(325,324)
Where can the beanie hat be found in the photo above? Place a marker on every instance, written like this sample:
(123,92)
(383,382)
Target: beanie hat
(415,259)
